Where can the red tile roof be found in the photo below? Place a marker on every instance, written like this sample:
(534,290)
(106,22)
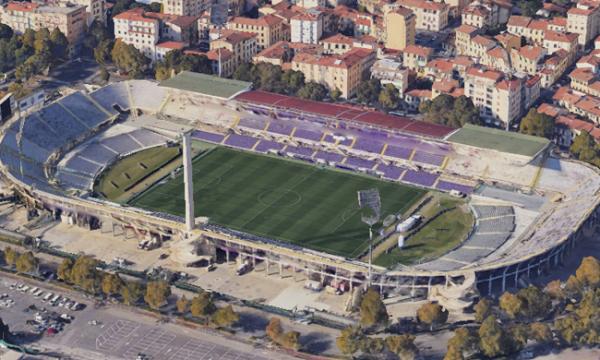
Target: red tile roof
(21,6)
(263,21)
(418,50)
(520,21)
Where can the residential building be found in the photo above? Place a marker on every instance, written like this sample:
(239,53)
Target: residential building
(463,39)
(390,71)
(282,53)
(95,10)
(554,41)
(337,44)
(429,15)
(456,6)
(416,57)
(161,49)
(243,45)
(567,127)
(415,97)
(584,19)
(449,87)
(185,7)
(497,58)
(145,30)
(308,4)
(486,13)
(69,19)
(528,59)
(221,60)
(269,29)
(554,67)
(307,27)
(399,25)
(343,72)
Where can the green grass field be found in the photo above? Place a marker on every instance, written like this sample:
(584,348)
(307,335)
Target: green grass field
(280,199)
(435,239)
(118,179)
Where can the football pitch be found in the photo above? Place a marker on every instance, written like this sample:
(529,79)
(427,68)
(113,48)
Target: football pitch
(285,200)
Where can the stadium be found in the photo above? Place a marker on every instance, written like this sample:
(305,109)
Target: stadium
(275,181)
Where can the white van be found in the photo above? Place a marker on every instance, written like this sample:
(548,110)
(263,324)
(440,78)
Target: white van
(47,297)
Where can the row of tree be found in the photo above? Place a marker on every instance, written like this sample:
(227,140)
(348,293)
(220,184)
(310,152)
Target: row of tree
(23,262)
(275,332)
(527,315)
(447,110)
(176,61)
(202,306)
(585,148)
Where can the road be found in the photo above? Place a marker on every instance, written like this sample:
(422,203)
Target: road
(121,332)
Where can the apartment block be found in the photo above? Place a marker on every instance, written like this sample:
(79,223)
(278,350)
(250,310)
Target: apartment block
(269,29)
(390,71)
(307,27)
(243,45)
(185,7)
(430,15)
(145,30)
(343,72)
(486,13)
(416,57)
(95,10)
(282,53)
(584,19)
(69,19)
(400,28)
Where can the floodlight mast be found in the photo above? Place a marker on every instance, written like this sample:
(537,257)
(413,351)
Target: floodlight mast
(369,199)
(188,181)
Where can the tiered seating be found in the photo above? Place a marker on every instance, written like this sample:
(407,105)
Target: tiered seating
(399,152)
(241,141)
(82,166)
(39,133)
(98,153)
(146,95)
(490,241)
(359,163)
(390,172)
(428,158)
(281,128)
(300,151)
(62,122)
(74,180)
(329,157)
(419,177)
(121,144)
(368,145)
(208,136)
(308,135)
(267,145)
(111,95)
(487,211)
(448,186)
(84,109)
(505,224)
(253,123)
(147,138)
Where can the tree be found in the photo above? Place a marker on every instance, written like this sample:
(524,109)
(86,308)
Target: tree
(588,273)
(535,302)
(196,63)
(388,97)
(183,304)
(540,332)
(554,289)
(243,72)
(446,110)
(511,304)
(157,293)
(293,81)
(312,91)
(465,112)
(573,287)
(402,345)
(26,263)
(103,74)
(372,310)
(129,59)
(493,340)
(463,342)
(225,317)
(432,314)
(202,305)
(351,340)
(335,94)
(111,284)
(96,34)
(537,124)
(161,72)
(103,51)
(519,334)
(6,31)
(530,7)
(85,275)
(367,92)
(274,329)
(584,147)
(10,256)
(59,45)
(64,269)
(131,292)
(483,309)
(373,345)
(290,340)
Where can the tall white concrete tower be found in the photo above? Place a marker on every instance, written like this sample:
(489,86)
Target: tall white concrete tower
(188,181)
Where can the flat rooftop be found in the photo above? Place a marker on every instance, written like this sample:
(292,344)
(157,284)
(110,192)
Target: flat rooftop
(344,112)
(206,84)
(499,140)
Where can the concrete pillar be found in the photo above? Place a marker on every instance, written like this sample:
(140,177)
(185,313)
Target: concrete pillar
(188,181)
(267,263)
(280,270)
(227,256)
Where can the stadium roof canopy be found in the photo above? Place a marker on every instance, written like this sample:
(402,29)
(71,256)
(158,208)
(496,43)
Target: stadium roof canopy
(206,84)
(499,140)
(344,112)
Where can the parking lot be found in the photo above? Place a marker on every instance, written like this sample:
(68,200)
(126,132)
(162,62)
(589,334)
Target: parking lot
(113,332)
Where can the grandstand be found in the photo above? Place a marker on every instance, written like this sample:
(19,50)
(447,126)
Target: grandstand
(66,145)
